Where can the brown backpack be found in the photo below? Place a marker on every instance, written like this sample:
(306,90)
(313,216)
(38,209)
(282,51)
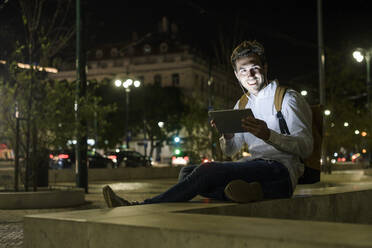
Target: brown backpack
(312,163)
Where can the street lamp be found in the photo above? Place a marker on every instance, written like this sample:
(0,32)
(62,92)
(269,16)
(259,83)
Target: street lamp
(359,54)
(127,84)
(161,124)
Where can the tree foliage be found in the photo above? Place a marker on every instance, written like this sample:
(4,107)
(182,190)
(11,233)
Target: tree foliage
(347,99)
(46,106)
(153,104)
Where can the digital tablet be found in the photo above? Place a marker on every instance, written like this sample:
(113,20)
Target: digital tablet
(229,121)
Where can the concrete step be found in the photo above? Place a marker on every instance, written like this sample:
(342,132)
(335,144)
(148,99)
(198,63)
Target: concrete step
(43,198)
(198,224)
(68,175)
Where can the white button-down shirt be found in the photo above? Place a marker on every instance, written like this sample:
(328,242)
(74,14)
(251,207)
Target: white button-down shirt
(286,149)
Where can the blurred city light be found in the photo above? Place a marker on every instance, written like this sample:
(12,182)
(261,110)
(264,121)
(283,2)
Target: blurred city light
(210,81)
(327,112)
(346,124)
(304,92)
(91,142)
(36,67)
(364,151)
(333,161)
(117,83)
(126,84)
(161,124)
(355,156)
(177,139)
(364,133)
(358,56)
(335,154)
(177,151)
(356,132)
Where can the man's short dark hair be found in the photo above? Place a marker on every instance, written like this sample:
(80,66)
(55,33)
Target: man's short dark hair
(247,48)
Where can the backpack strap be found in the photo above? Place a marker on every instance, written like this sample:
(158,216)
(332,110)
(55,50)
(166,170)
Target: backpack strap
(243,101)
(279,95)
(278,100)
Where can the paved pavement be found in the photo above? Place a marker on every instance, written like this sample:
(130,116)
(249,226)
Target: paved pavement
(11,221)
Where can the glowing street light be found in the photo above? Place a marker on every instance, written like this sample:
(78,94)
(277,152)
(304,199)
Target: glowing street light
(177,139)
(161,124)
(327,112)
(358,56)
(118,83)
(356,132)
(346,124)
(304,93)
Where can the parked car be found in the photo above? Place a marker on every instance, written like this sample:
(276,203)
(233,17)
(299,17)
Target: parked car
(65,160)
(61,159)
(184,158)
(129,158)
(96,160)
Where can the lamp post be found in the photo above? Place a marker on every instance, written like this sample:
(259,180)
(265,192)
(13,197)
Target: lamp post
(359,55)
(127,84)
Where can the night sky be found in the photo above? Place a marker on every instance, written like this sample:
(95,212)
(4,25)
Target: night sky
(288,28)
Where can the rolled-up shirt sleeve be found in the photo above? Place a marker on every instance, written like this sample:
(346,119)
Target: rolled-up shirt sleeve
(231,146)
(298,116)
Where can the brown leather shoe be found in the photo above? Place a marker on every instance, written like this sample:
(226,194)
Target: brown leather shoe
(241,191)
(112,200)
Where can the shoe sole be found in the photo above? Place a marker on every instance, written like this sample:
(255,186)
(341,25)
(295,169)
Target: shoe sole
(243,192)
(107,191)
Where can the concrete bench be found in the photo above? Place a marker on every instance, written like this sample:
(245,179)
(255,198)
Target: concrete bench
(329,219)
(68,175)
(43,198)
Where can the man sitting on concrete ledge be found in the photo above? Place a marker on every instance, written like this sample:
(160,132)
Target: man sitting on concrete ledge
(275,165)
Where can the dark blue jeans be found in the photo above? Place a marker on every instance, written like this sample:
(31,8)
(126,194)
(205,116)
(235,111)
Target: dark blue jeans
(210,179)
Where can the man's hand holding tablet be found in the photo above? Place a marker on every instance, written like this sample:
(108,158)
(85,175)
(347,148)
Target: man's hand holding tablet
(229,122)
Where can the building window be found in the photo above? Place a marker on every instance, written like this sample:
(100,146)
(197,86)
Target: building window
(163,47)
(196,80)
(175,79)
(146,49)
(114,52)
(141,79)
(157,79)
(99,54)
(118,63)
(101,64)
